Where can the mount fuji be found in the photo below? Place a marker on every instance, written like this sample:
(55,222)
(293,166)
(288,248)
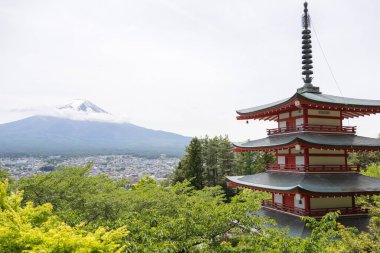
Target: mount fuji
(81,127)
(82,105)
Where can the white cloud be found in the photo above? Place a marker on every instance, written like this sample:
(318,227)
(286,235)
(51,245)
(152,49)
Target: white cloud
(182,66)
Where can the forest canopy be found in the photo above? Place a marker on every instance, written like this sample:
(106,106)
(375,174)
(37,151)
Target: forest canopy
(71,211)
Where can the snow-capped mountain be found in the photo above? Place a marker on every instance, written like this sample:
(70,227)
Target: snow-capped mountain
(82,109)
(82,127)
(82,105)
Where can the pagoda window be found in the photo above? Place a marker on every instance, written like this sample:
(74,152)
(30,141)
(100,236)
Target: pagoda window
(300,160)
(278,198)
(281,159)
(299,201)
(299,121)
(282,124)
(316,203)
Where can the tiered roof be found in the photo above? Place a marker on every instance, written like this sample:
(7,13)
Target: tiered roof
(312,184)
(350,107)
(315,180)
(325,141)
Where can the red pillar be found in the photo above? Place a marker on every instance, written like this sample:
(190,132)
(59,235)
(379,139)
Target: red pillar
(345,156)
(306,154)
(305,115)
(307,204)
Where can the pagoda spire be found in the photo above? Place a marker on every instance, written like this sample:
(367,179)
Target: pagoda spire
(306,54)
(306,47)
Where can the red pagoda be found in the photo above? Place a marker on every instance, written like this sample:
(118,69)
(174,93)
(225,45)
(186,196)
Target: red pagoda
(312,176)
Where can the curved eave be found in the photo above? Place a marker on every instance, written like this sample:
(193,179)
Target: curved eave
(260,187)
(316,184)
(298,189)
(268,111)
(273,143)
(350,107)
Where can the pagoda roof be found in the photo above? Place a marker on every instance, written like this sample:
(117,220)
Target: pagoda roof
(327,141)
(308,183)
(351,107)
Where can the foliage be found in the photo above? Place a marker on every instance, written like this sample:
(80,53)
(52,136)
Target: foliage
(34,229)
(209,160)
(324,234)
(353,241)
(180,218)
(159,218)
(323,238)
(76,196)
(372,171)
(364,159)
(5,175)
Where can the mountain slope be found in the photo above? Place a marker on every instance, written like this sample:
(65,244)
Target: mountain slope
(54,135)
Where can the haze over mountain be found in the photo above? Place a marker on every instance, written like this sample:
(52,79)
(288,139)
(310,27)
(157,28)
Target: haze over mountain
(81,127)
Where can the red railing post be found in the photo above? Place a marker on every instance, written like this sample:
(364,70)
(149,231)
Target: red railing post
(317,128)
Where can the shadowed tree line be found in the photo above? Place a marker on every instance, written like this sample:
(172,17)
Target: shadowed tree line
(69,210)
(208,161)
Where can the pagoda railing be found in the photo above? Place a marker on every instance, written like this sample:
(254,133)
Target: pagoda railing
(357,210)
(313,168)
(313,128)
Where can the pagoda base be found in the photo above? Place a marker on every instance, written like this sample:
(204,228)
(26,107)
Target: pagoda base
(297,228)
(291,210)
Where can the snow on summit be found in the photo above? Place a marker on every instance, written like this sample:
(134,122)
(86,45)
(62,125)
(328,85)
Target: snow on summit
(82,109)
(76,109)
(82,105)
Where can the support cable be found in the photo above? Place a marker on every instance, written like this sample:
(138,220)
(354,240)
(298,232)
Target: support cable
(328,64)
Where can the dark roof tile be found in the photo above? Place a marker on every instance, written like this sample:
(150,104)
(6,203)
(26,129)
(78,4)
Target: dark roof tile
(312,183)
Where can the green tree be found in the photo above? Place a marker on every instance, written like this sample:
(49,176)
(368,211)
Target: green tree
(192,165)
(210,155)
(209,160)
(5,175)
(76,196)
(34,229)
(182,219)
(245,163)
(372,171)
(261,160)
(253,162)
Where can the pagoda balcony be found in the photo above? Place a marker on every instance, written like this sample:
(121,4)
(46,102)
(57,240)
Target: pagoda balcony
(313,128)
(357,210)
(314,168)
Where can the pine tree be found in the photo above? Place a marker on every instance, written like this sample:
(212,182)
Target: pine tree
(210,154)
(191,166)
(245,163)
(226,160)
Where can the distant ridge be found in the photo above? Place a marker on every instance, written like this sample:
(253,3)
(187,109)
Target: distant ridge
(58,135)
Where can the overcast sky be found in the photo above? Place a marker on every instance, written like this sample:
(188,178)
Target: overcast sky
(183,65)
